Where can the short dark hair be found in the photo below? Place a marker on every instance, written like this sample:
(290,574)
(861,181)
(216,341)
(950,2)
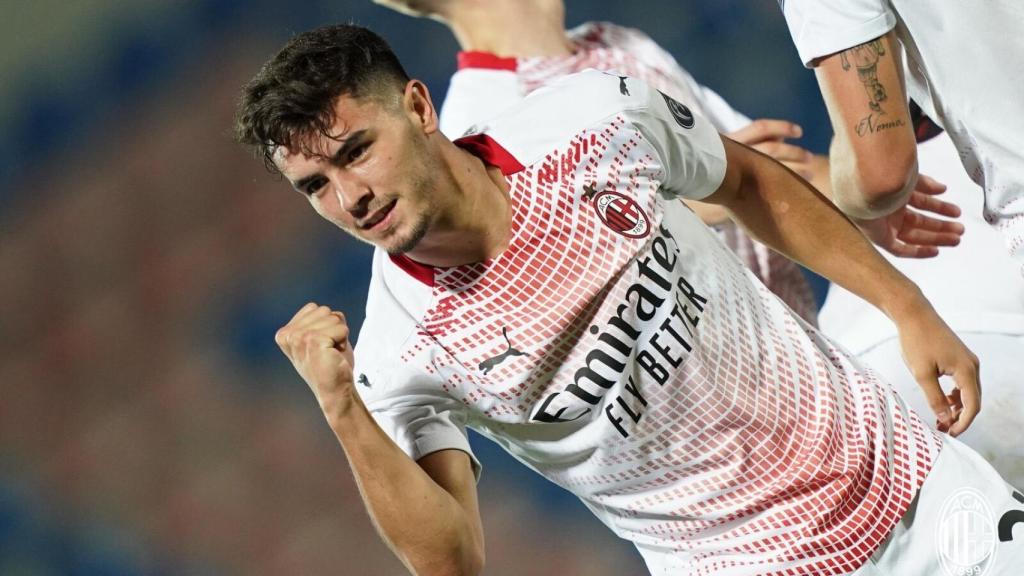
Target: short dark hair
(293,95)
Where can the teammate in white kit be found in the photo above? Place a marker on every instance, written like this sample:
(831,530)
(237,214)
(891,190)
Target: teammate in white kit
(977,291)
(964,66)
(538,282)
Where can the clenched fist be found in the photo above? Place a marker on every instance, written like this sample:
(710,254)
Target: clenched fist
(316,341)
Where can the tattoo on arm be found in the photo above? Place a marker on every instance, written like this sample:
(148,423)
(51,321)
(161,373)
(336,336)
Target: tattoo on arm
(865,58)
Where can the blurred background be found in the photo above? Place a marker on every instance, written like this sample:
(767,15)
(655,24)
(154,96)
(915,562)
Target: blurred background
(148,423)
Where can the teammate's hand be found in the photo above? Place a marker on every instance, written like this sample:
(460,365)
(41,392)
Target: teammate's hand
(911,232)
(931,350)
(316,342)
(769,136)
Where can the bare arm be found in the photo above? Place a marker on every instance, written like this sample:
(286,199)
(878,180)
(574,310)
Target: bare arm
(768,136)
(427,512)
(786,213)
(874,153)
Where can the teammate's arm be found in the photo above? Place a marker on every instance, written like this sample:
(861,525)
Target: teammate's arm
(426,511)
(789,215)
(873,152)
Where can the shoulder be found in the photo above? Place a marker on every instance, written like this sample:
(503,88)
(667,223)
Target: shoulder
(395,302)
(552,115)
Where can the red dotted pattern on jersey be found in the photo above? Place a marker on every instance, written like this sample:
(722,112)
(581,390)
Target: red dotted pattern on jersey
(774,270)
(774,451)
(636,55)
(555,287)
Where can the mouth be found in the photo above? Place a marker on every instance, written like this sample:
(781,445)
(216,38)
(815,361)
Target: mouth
(379,218)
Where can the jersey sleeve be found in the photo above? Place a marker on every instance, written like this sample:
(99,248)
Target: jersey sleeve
(416,415)
(823,27)
(410,405)
(688,146)
(476,95)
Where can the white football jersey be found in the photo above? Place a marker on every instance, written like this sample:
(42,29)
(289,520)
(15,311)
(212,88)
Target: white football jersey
(486,85)
(619,349)
(964,67)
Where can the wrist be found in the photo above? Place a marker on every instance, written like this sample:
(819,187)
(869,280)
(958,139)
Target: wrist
(339,407)
(905,304)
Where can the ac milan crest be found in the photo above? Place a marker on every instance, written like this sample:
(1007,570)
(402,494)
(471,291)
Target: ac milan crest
(622,214)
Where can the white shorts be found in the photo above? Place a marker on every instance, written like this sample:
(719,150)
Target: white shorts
(964,521)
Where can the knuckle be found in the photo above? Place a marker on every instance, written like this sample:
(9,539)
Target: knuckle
(281,337)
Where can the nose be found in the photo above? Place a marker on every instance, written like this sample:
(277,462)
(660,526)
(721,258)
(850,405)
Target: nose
(353,195)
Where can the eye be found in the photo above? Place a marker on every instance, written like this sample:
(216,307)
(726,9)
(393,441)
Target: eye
(315,185)
(357,152)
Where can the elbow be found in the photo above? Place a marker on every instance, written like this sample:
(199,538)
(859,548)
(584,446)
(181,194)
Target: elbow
(882,188)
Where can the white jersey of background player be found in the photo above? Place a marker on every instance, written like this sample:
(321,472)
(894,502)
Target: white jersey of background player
(964,66)
(486,84)
(977,290)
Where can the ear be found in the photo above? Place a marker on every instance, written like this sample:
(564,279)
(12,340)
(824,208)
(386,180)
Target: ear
(419,107)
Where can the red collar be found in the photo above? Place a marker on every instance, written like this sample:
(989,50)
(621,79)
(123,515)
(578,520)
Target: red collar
(485,60)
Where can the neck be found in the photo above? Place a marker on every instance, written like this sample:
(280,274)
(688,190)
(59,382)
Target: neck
(476,223)
(510,28)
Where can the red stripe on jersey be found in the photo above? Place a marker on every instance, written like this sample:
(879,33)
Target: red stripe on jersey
(421,272)
(485,148)
(486,60)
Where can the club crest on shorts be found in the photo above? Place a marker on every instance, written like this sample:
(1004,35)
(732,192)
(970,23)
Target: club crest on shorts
(965,537)
(679,111)
(622,214)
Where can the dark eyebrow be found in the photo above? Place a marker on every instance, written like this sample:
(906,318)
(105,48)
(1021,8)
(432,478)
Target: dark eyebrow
(346,145)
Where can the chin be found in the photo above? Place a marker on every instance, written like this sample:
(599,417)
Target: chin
(406,242)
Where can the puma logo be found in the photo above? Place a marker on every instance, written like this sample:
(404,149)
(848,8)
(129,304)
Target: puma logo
(589,190)
(363,380)
(622,86)
(490,363)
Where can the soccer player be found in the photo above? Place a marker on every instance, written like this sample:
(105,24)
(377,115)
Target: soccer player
(977,291)
(964,67)
(537,282)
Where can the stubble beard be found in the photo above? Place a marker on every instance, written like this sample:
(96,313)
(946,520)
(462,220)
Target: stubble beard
(420,224)
(413,238)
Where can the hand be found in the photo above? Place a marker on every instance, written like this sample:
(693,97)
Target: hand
(316,342)
(911,233)
(930,350)
(769,136)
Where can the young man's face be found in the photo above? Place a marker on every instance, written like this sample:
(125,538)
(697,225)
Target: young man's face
(375,176)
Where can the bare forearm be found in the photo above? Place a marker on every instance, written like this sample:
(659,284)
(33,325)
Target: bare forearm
(874,153)
(426,527)
(786,213)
